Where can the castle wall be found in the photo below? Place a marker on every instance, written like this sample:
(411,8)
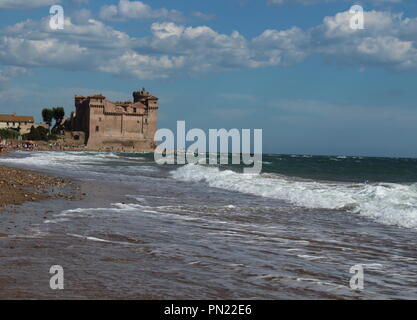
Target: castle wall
(124,126)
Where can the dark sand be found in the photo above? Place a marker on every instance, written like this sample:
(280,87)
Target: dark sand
(18,186)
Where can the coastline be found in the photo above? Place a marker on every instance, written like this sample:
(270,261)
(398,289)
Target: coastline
(138,232)
(59,146)
(18,186)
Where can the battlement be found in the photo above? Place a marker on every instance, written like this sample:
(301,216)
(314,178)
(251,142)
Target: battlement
(108,124)
(143,96)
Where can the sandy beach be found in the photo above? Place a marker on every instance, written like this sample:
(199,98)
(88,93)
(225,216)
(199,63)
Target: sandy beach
(18,186)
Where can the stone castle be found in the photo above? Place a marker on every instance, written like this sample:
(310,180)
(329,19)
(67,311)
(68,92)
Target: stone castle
(121,126)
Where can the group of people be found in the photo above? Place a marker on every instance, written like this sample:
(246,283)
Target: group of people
(24,145)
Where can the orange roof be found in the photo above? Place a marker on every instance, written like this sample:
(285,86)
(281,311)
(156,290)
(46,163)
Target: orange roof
(15,118)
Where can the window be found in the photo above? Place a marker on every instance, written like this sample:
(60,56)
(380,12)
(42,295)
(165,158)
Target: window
(134,110)
(76,137)
(97,128)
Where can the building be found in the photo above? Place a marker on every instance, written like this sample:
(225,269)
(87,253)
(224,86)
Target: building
(21,123)
(124,126)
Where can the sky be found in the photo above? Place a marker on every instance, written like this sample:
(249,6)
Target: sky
(294,68)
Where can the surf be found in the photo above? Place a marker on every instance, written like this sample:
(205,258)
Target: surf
(387,203)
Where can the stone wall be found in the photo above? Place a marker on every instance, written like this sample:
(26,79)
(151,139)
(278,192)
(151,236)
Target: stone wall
(123,126)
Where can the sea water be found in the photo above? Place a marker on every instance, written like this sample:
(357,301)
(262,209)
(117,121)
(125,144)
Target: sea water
(206,231)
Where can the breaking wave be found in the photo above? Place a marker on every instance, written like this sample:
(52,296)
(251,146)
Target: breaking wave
(387,203)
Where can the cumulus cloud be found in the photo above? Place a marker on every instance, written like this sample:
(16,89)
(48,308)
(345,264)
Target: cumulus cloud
(306,2)
(26,4)
(171,49)
(8,73)
(389,40)
(203,16)
(127,10)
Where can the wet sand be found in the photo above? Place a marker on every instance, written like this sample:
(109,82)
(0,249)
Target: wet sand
(18,186)
(31,242)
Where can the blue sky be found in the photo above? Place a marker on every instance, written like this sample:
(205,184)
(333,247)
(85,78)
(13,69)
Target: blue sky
(293,68)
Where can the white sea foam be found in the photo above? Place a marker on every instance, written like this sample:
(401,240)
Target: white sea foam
(88,238)
(87,164)
(387,203)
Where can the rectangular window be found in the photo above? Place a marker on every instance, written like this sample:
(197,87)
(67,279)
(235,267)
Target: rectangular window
(134,110)
(97,128)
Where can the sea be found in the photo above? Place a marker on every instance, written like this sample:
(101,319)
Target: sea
(306,227)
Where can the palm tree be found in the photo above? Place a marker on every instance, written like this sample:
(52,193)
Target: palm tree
(47,115)
(58,114)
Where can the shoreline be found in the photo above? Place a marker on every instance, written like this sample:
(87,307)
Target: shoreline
(13,145)
(19,186)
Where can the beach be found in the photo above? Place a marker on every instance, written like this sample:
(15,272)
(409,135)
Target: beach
(18,186)
(144,231)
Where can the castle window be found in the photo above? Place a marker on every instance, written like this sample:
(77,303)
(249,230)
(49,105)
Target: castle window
(134,110)
(76,137)
(97,128)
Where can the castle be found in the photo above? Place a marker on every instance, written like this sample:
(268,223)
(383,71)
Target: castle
(121,126)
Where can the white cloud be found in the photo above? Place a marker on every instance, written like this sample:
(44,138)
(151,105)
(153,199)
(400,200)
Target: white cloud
(306,2)
(203,16)
(26,4)
(389,40)
(127,10)
(80,2)
(172,50)
(8,73)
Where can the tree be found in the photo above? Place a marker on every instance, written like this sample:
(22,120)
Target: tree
(47,115)
(9,134)
(39,133)
(58,114)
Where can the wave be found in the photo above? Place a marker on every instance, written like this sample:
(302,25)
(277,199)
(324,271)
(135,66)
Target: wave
(387,203)
(85,163)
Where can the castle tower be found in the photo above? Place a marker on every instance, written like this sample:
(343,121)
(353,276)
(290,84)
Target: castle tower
(152,106)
